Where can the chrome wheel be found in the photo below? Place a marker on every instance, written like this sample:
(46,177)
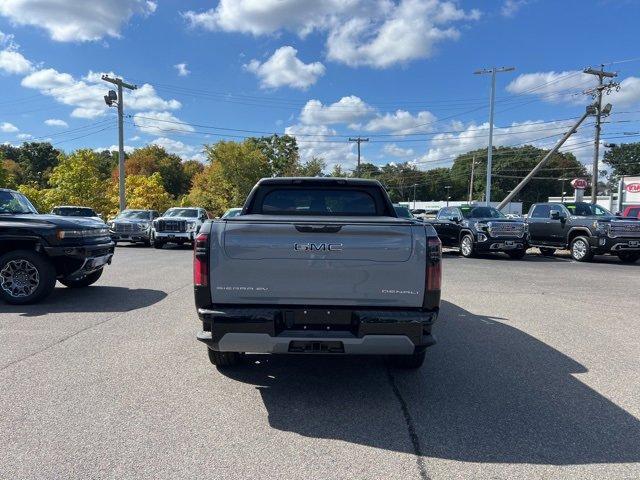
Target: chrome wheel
(466,246)
(19,278)
(579,249)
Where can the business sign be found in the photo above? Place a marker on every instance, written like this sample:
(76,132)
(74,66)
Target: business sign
(631,190)
(579,183)
(632,187)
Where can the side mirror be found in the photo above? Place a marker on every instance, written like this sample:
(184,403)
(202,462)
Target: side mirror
(456,219)
(555,215)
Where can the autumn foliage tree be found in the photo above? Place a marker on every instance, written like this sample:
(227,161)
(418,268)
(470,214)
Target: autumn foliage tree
(142,191)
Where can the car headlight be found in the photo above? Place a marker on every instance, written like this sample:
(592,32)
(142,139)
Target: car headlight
(90,233)
(480,225)
(600,227)
(191,226)
(144,226)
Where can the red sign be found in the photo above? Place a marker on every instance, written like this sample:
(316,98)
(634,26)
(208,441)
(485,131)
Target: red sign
(579,183)
(633,187)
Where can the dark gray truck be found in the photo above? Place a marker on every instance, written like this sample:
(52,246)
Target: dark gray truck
(317,265)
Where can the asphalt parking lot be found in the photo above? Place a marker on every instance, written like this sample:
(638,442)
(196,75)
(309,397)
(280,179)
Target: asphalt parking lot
(535,375)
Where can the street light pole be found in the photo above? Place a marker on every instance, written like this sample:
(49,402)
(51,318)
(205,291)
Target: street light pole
(492,98)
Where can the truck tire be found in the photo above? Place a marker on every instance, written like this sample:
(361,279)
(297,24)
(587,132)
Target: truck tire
(547,252)
(581,250)
(517,254)
(223,359)
(25,277)
(628,257)
(85,281)
(412,361)
(467,249)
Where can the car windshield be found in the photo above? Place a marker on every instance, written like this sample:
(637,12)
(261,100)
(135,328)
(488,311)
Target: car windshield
(181,212)
(402,211)
(582,209)
(135,214)
(481,212)
(74,212)
(232,212)
(14,202)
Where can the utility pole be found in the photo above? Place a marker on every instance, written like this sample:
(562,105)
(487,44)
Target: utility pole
(358,140)
(414,195)
(590,110)
(597,93)
(110,99)
(473,167)
(447,188)
(493,72)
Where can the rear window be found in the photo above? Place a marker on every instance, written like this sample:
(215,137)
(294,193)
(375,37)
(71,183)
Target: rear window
(318,201)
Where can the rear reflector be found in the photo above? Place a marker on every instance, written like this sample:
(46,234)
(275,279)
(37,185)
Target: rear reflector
(201,260)
(434,264)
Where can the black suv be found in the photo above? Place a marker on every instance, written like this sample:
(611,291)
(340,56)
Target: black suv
(35,250)
(584,228)
(477,229)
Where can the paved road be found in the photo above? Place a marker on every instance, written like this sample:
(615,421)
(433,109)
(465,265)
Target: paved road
(536,375)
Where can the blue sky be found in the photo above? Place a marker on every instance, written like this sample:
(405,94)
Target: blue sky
(396,71)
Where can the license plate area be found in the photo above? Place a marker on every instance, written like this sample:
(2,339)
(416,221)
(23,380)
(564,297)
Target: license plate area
(634,243)
(311,346)
(509,243)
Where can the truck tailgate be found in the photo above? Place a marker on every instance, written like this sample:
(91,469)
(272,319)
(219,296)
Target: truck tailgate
(332,261)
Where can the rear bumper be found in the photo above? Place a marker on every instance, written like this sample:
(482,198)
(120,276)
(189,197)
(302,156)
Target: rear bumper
(316,330)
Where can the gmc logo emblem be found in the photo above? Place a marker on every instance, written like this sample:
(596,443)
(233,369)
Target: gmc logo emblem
(317,247)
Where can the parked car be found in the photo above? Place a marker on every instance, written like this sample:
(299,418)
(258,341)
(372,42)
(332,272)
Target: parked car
(133,226)
(35,250)
(632,211)
(317,265)
(72,211)
(232,212)
(178,225)
(402,211)
(477,229)
(584,228)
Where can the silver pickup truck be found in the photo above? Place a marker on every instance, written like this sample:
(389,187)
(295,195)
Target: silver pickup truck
(317,265)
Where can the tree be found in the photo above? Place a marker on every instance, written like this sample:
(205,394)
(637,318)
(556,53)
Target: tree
(152,159)
(281,153)
(37,160)
(191,168)
(233,170)
(142,191)
(37,196)
(624,159)
(337,171)
(4,173)
(107,162)
(312,168)
(76,181)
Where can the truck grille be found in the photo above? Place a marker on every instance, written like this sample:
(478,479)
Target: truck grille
(172,226)
(506,229)
(624,229)
(126,227)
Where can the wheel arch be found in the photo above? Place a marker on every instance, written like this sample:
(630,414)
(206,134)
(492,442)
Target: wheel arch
(577,232)
(465,231)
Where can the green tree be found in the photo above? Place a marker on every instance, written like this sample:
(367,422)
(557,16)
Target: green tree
(37,196)
(281,153)
(152,159)
(191,168)
(107,163)
(624,159)
(4,173)
(311,168)
(337,171)
(76,181)
(142,191)
(37,160)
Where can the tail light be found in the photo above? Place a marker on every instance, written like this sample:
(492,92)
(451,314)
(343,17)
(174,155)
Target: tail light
(201,260)
(434,264)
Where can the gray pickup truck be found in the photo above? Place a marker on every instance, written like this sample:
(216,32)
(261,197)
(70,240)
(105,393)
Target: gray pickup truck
(317,265)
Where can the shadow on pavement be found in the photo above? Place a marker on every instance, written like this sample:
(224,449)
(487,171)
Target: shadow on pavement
(91,299)
(488,393)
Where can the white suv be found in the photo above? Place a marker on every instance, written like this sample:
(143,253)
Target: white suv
(178,225)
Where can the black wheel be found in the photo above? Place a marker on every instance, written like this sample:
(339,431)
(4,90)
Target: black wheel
(628,257)
(158,244)
(223,359)
(581,250)
(85,281)
(547,252)
(466,246)
(25,277)
(517,254)
(412,361)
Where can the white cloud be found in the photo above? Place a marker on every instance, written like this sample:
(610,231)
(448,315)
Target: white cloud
(376,33)
(284,68)
(402,122)
(135,138)
(187,152)
(7,127)
(346,110)
(182,69)
(158,123)
(24,136)
(407,31)
(76,20)
(114,148)
(396,151)
(14,62)
(629,93)
(511,7)
(86,95)
(56,122)
(313,141)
